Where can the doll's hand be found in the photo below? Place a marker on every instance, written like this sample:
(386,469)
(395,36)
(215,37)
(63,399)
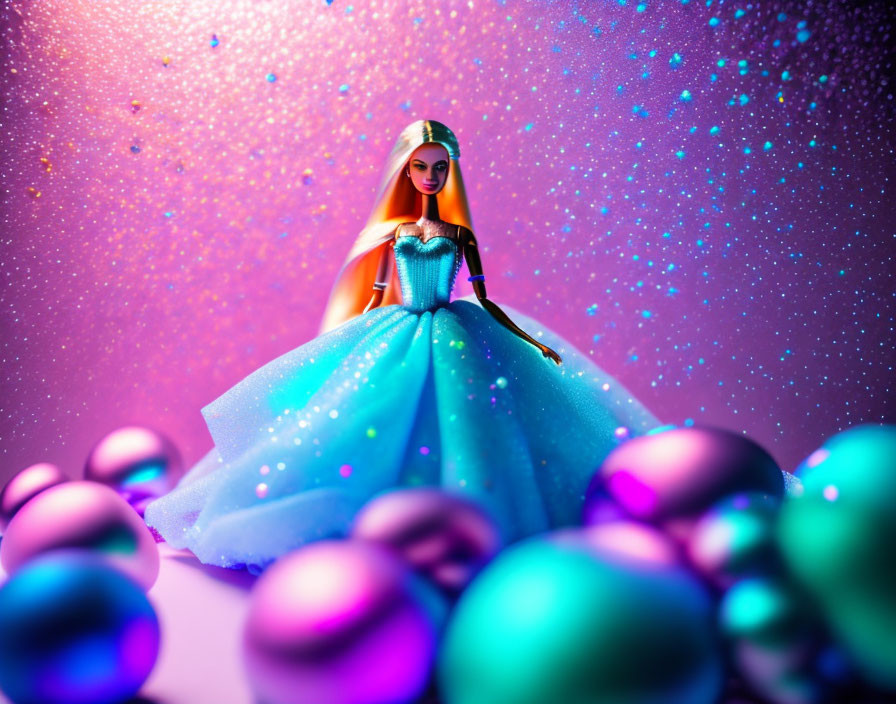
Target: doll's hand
(550,354)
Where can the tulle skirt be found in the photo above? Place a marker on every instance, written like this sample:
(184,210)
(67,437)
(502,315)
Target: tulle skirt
(395,397)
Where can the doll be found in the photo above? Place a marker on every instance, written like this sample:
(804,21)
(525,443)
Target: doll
(403,387)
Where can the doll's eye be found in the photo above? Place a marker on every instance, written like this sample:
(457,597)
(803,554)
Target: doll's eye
(420,167)
(441,167)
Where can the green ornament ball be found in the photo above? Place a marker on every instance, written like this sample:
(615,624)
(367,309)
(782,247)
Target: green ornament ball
(838,537)
(561,618)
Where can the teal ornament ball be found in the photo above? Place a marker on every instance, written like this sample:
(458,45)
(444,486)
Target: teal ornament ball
(773,639)
(838,537)
(565,618)
(736,538)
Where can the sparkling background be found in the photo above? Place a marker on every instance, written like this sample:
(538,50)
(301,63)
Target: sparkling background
(699,195)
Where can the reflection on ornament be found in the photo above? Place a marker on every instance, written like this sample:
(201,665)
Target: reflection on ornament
(562,618)
(141,464)
(680,472)
(24,486)
(74,630)
(340,622)
(83,515)
(736,538)
(773,639)
(445,537)
(838,538)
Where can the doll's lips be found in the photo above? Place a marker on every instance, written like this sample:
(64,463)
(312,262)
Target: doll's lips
(429,185)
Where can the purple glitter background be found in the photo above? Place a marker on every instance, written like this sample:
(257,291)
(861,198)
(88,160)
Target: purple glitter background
(699,195)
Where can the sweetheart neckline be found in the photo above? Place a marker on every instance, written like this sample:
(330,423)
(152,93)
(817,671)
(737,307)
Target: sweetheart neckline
(423,241)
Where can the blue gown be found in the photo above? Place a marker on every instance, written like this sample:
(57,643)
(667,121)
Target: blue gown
(429,392)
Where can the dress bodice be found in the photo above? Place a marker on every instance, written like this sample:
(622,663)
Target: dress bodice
(426,270)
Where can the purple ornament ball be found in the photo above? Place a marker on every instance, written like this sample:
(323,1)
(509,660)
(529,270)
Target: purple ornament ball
(83,515)
(74,630)
(342,622)
(445,537)
(25,485)
(599,507)
(671,477)
(141,464)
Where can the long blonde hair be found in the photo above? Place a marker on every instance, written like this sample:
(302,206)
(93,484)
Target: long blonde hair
(397,202)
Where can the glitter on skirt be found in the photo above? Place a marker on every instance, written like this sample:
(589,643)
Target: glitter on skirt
(432,392)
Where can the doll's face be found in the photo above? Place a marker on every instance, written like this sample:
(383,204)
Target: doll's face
(428,167)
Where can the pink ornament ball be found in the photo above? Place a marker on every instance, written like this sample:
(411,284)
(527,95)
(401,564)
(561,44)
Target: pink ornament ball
(342,622)
(675,475)
(141,464)
(25,485)
(445,537)
(82,515)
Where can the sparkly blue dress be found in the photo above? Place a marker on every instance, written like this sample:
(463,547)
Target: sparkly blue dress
(430,392)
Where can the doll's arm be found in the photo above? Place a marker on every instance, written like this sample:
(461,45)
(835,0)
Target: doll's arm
(383,275)
(474,264)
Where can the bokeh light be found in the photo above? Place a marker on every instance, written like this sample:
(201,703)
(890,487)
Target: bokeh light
(698,195)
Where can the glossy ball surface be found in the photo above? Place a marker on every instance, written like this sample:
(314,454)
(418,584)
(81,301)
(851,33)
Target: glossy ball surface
(774,639)
(140,463)
(342,622)
(838,537)
(681,472)
(569,618)
(25,485)
(74,631)
(83,515)
(736,538)
(444,537)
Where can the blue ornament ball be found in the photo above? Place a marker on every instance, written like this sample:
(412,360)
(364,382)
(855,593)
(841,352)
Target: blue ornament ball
(74,630)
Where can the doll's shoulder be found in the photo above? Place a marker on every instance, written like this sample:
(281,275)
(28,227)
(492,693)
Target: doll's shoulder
(466,235)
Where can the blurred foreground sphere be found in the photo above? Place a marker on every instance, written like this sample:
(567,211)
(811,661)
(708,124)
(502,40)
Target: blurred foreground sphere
(74,630)
(839,538)
(139,463)
(341,622)
(25,485)
(679,473)
(568,617)
(83,515)
(445,537)
(736,538)
(774,640)
(624,540)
